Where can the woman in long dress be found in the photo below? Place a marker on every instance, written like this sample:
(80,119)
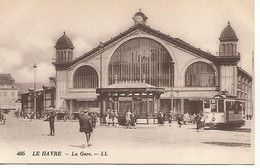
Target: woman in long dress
(115,118)
(128,119)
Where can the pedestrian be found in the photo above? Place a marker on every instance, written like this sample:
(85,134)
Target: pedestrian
(160,118)
(193,118)
(17,114)
(110,117)
(51,122)
(94,119)
(133,120)
(85,123)
(200,121)
(106,117)
(186,118)
(180,119)
(31,115)
(128,119)
(170,118)
(115,118)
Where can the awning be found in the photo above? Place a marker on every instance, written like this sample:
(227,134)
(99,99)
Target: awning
(80,96)
(133,87)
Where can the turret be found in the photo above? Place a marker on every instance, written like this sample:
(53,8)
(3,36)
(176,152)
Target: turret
(228,42)
(64,50)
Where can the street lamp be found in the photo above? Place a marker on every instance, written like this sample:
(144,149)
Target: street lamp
(34,89)
(172,80)
(101,47)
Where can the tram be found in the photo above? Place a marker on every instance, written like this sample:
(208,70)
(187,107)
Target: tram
(224,111)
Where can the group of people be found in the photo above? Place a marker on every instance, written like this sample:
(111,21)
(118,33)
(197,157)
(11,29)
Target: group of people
(197,118)
(130,119)
(162,116)
(249,116)
(87,122)
(186,118)
(111,117)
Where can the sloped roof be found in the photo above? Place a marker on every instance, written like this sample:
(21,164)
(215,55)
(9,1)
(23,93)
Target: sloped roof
(176,41)
(130,85)
(242,71)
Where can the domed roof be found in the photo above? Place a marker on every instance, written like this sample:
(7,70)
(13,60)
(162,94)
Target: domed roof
(228,34)
(64,42)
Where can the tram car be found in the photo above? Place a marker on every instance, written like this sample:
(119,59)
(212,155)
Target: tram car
(224,111)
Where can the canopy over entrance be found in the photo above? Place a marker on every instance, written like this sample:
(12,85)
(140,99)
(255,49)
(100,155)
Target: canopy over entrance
(139,97)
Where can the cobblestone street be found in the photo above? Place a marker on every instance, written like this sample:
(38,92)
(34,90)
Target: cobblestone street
(145,144)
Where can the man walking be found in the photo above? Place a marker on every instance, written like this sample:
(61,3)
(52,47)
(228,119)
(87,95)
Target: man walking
(85,123)
(51,121)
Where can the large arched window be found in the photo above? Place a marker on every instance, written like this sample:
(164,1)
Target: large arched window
(200,74)
(85,77)
(139,59)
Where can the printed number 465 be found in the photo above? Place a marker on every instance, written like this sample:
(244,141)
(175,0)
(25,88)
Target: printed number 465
(21,153)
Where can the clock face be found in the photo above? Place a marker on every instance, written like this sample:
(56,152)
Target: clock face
(139,18)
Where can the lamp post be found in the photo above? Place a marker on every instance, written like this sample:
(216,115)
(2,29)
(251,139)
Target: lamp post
(34,89)
(102,108)
(101,46)
(172,78)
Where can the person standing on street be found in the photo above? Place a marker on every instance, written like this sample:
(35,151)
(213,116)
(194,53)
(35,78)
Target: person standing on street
(94,119)
(180,119)
(107,117)
(170,118)
(51,121)
(115,118)
(85,123)
(128,119)
(198,121)
(160,118)
(133,120)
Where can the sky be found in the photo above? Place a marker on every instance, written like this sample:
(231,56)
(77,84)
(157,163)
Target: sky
(29,29)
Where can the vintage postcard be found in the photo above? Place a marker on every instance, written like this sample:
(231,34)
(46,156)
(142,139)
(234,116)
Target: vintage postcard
(127,82)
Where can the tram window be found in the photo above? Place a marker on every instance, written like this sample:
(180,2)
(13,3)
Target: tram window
(213,107)
(206,104)
(232,106)
(237,107)
(221,106)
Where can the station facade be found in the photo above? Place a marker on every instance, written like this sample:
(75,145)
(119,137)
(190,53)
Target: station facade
(145,70)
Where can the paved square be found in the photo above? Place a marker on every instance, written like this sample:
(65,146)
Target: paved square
(145,144)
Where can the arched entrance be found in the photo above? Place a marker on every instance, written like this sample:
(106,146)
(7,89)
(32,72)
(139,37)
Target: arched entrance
(142,57)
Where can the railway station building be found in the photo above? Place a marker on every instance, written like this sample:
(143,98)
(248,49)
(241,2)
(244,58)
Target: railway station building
(145,70)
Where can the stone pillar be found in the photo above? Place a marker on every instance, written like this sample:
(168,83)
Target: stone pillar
(154,108)
(71,106)
(147,111)
(182,106)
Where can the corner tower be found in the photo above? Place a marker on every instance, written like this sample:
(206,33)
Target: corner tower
(64,55)
(228,42)
(64,50)
(229,58)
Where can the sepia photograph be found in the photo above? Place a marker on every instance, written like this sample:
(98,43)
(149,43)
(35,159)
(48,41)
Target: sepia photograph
(131,82)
